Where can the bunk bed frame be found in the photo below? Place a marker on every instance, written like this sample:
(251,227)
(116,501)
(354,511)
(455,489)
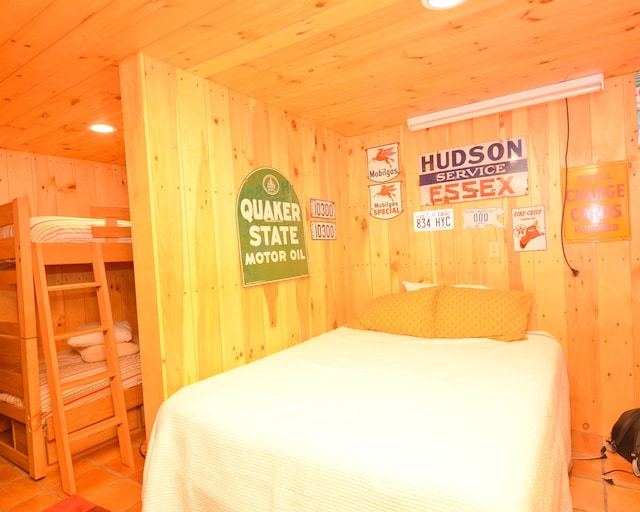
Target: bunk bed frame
(25,439)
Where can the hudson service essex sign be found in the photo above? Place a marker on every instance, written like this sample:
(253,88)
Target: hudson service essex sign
(482,171)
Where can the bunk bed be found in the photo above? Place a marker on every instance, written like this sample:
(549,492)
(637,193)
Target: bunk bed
(431,400)
(27,436)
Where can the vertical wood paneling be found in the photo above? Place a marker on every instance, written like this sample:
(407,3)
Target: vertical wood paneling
(224,309)
(593,320)
(204,141)
(43,180)
(195,204)
(633,157)
(135,107)
(613,266)
(168,219)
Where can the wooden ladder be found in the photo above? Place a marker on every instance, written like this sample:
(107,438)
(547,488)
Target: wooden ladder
(46,254)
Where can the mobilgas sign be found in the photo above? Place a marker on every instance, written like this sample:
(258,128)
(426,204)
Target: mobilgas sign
(491,170)
(270,229)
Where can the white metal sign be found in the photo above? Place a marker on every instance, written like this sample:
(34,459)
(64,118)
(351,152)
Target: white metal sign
(385,200)
(322,209)
(433,220)
(323,230)
(482,217)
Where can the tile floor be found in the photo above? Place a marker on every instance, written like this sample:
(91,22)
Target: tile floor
(102,479)
(589,491)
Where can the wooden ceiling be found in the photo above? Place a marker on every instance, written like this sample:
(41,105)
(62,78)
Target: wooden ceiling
(353,66)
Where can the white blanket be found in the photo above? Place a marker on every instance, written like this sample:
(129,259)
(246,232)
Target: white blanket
(362,421)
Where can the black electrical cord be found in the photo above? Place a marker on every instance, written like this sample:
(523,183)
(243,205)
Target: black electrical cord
(143,449)
(610,480)
(574,271)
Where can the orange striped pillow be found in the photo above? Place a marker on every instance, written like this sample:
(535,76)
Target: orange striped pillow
(479,313)
(408,313)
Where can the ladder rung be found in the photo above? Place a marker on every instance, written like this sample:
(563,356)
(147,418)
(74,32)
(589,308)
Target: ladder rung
(73,286)
(79,332)
(89,379)
(94,429)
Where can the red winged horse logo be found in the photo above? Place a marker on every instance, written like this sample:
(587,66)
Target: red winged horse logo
(384,155)
(387,191)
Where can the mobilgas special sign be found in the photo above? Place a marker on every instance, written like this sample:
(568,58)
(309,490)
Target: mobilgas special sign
(491,170)
(270,229)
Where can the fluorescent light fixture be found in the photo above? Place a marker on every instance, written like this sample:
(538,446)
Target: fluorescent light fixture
(441,4)
(544,94)
(102,128)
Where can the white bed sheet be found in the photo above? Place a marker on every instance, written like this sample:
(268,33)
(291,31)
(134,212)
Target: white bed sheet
(362,421)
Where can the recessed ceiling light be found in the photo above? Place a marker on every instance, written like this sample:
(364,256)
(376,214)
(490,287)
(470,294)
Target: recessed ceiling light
(102,128)
(441,4)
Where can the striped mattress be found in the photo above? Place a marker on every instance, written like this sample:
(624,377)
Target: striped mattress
(64,229)
(73,367)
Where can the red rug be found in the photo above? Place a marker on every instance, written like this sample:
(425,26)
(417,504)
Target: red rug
(75,503)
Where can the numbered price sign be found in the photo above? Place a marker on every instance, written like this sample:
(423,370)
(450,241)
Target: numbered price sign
(433,220)
(323,230)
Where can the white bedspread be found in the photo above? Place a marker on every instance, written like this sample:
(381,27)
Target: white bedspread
(363,421)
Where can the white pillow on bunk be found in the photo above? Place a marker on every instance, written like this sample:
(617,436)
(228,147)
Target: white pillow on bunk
(122,331)
(96,353)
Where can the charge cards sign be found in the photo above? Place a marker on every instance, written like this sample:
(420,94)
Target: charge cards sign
(433,220)
(270,229)
(597,203)
(491,170)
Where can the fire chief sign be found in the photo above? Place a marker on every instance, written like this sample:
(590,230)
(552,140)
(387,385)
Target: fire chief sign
(270,229)
(490,170)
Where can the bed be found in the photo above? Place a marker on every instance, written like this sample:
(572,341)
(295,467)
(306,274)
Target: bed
(26,434)
(375,416)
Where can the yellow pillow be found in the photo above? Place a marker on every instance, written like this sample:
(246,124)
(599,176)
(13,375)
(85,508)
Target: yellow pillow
(479,313)
(408,313)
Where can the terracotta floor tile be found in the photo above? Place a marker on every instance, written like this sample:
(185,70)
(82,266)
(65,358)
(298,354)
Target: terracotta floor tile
(18,490)
(119,496)
(587,494)
(137,476)
(9,472)
(95,479)
(36,503)
(586,468)
(622,499)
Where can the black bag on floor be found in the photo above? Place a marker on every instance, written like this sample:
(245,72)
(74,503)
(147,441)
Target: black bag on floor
(625,438)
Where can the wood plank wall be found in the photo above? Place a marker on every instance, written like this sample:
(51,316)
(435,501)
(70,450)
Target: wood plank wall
(65,186)
(190,143)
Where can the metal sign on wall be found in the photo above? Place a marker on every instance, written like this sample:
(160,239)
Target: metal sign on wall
(323,229)
(491,170)
(597,203)
(270,229)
